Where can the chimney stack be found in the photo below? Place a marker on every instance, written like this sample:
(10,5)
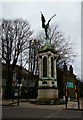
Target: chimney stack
(65,66)
(71,69)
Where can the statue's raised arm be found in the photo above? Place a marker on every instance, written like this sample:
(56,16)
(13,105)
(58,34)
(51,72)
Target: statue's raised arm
(50,19)
(45,26)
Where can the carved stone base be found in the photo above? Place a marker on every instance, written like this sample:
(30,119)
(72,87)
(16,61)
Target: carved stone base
(47,96)
(48,93)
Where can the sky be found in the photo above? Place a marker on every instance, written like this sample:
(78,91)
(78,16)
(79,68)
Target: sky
(68,18)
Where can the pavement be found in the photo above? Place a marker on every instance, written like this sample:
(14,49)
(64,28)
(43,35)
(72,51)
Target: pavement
(42,113)
(29,103)
(8,102)
(27,109)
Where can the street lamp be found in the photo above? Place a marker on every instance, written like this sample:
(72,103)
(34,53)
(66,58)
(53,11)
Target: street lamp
(31,50)
(32,41)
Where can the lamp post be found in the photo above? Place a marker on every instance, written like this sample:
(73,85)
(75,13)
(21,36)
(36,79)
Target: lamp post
(14,81)
(18,95)
(32,41)
(31,49)
(19,82)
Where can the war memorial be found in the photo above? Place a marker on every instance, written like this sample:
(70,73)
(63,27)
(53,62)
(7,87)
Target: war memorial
(47,86)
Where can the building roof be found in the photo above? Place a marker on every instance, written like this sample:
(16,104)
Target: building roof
(67,72)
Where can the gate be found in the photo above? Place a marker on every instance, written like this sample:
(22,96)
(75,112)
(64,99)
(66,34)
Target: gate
(72,105)
(81,103)
(75,103)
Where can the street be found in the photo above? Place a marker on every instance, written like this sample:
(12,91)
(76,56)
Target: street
(36,111)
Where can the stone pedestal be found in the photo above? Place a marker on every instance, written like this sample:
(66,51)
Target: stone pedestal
(47,93)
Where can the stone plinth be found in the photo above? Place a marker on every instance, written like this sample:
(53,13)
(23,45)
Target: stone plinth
(47,93)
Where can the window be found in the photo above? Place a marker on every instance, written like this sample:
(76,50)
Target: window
(53,82)
(52,70)
(45,67)
(44,82)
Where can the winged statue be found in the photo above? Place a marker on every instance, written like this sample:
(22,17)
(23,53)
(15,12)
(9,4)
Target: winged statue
(46,26)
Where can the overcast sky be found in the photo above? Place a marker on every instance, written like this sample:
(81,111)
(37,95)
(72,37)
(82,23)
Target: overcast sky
(68,17)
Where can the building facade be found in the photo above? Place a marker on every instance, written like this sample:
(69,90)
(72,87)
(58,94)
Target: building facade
(66,76)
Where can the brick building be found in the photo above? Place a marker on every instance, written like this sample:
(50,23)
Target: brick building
(28,81)
(65,76)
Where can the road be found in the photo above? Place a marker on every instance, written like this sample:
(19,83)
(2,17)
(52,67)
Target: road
(43,113)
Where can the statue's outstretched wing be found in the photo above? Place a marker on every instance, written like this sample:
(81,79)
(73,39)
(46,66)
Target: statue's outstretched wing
(50,19)
(43,20)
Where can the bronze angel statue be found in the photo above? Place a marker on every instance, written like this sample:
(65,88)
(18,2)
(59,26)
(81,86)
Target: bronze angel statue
(45,26)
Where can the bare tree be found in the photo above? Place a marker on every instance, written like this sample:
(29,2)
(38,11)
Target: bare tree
(33,56)
(14,35)
(62,45)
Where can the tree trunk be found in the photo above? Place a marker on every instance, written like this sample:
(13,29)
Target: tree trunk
(8,91)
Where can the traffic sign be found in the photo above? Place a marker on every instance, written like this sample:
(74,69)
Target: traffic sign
(16,93)
(14,76)
(70,84)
